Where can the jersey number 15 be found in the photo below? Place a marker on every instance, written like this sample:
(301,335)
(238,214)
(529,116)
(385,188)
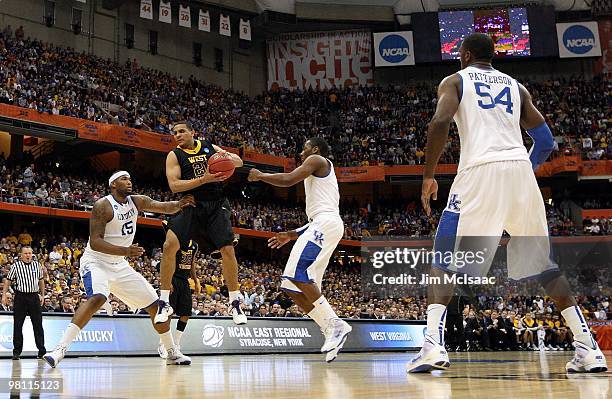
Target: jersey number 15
(127,228)
(502,98)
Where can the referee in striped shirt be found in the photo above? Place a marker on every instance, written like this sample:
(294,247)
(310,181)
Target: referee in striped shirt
(27,275)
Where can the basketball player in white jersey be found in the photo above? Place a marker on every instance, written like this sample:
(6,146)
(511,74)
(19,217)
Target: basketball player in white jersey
(316,241)
(103,266)
(495,190)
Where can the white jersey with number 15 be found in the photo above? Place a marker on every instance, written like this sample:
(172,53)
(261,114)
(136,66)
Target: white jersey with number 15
(120,230)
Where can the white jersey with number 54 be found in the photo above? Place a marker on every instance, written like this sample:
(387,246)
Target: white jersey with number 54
(488,118)
(120,230)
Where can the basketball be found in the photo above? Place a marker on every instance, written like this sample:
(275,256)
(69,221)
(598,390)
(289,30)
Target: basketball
(221,162)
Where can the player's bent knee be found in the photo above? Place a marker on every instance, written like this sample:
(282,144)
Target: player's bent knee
(547,278)
(97,300)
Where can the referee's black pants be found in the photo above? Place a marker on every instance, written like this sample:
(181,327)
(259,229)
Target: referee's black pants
(27,304)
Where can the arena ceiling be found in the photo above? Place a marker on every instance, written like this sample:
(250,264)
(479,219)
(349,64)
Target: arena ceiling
(381,11)
(412,6)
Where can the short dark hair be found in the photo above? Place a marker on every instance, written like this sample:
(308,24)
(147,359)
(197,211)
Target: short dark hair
(480,45)
(321,144)
(186,123)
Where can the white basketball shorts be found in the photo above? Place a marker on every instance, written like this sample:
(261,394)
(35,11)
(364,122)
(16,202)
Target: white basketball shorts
(120,279)
(311,253)
(487,199)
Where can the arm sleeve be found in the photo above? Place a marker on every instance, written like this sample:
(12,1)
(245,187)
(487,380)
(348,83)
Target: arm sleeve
(543,145)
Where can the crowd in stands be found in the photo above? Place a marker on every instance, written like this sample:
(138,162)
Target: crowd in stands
(61,189)
(578,112)
(365,125)
(498,328)
(559,222)
(597,226)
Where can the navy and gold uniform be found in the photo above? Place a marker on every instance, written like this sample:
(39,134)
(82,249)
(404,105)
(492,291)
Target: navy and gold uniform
(209,222)
(531,323)
(180,297)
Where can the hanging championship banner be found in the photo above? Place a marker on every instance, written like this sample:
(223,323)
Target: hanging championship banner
(146,9)
(165,12)
(224,25)
(184,16)
(204,21)
(603,65)
(245,29)
(320,60)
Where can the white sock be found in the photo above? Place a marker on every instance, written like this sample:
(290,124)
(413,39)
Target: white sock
(575,320)
(315,314)
(166,339)
(325,310)
(165,296)
(177,337)
(70,334)
(436,319)
(233,295)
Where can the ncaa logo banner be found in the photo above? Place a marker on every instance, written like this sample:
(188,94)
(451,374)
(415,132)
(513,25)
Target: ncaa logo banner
(578,39)
(393,49)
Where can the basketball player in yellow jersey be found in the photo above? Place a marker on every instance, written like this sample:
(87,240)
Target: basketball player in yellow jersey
(208,223)
(495,190)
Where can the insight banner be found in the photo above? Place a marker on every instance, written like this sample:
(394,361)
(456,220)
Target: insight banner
(320,60)
(134,335)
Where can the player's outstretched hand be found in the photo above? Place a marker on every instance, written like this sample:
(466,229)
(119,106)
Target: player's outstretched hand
(278,240)
(186,201)
(429,190)
(135,251)
(214,177)
(255,174)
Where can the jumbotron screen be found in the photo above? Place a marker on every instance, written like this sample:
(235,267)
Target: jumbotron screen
(508,27)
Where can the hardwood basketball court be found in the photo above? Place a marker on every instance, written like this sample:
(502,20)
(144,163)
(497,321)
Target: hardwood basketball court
(483,375)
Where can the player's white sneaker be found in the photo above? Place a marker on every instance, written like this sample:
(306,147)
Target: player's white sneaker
(175,357)
(432,356)
(587,360)
(55,356)
(333,354)
(335,334)
(161,349)
(237,313)
(164,311)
